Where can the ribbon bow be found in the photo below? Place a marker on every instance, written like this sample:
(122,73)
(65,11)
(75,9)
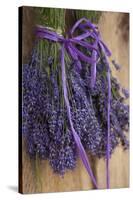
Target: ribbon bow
(88,30)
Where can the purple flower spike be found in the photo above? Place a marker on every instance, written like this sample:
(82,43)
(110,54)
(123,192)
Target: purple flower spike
(125,92)
(116,65)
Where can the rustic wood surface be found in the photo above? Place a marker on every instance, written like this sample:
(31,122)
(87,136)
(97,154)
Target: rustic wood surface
(114,30)
(115,34)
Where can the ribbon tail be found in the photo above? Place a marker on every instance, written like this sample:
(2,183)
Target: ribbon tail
(75,57)
(108,131)
(106,50)
(93,69)
(80,147)
(108,118)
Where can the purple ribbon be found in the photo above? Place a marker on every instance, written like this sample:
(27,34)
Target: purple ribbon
(69,44)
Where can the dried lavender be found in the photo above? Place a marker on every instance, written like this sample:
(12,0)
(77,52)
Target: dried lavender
(116,65)
(84,118)
(34,110)
(125,92)
(46,126)
(62,156)
(119,112)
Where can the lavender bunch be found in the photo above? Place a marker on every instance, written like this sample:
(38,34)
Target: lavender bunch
(119,110)
(46,127)
(35,110)
(62,148)
(62,156)
(84,119)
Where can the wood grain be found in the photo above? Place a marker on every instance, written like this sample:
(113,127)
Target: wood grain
(47,181)
(114,31)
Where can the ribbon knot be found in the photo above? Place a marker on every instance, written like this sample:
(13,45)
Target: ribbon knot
(89,39)
(65,40)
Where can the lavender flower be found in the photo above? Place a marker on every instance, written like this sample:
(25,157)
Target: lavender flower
(46,127)
(125,92)
(117,66)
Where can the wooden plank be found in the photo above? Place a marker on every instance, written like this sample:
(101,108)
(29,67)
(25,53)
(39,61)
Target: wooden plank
(114,31)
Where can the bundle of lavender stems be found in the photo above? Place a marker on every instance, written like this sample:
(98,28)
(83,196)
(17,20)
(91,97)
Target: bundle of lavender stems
(46,126)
